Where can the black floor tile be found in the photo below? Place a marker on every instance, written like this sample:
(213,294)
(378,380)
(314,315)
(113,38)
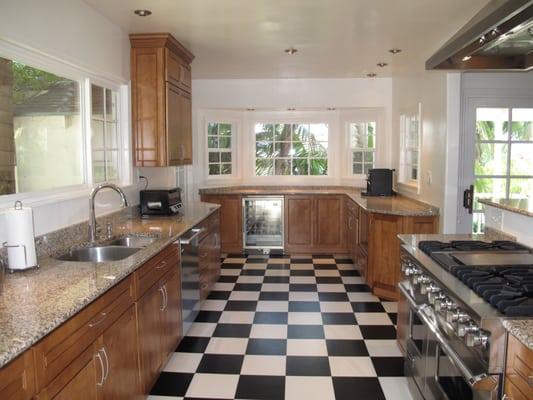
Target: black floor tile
(220,364)
(336,318)
(349,272)
(278,266)
(261,387)
(332,296)
(307,366)
(275,347)
(274,296)
(193,344)
(329,279)
(257,260)
(367,388)
(171,384)
(378,331)
(208,316)
(265,317)
(325,266)
(388,366)
(355,288)
(305,332)
(346,348)
(247,287)
(301,261)
(233,330)
(302,287)
(231,266)
(276,279)
(393,317)
(218,295)
(240,305)
(304,306)
(253,272)
(228,279)
(343,261)
(367,307)
(329,256)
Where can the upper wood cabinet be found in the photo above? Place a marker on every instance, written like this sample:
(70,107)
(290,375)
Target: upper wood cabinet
(161,101)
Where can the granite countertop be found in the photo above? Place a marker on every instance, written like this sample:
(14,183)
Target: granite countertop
(394,205)
(35,302)
(519,206)
(522,329)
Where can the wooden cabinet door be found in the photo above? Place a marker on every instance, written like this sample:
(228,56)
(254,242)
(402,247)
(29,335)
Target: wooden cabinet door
(329,223)
(17,380)
(171,320)
(179,126)
(230,221)
(85,385)
(118,346)
(519,370)
(148,310)
(299,223)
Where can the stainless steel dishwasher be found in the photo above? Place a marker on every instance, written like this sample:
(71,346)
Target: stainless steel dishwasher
(263,222)
(190,277)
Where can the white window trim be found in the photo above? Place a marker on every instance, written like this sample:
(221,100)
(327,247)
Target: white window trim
(410,185)
(37,59)
(220,116)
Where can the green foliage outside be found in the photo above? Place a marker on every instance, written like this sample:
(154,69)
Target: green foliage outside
(29,82)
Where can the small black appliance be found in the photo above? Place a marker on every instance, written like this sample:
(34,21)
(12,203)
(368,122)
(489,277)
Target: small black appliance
(160,202)
(379,182)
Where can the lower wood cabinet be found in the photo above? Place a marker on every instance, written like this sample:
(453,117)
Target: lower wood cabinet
(518,371)
(299,223)
(17,380)
(209,256)
(230,221)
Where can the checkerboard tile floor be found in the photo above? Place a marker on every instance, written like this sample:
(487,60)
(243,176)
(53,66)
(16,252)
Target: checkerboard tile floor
(288,327)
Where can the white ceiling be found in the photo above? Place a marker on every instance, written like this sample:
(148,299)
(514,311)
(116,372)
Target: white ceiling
(335,38)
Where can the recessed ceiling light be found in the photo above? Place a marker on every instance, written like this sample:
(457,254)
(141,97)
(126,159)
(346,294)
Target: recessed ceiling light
(291,109)
(250,109)
(466,58)
(291,50)
(331,108)
(395,51)
(382,64)
(142,13)
(371,75)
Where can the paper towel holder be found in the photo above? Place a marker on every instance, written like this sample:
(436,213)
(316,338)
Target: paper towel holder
(18,206)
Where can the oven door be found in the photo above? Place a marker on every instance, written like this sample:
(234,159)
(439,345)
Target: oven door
(412,336)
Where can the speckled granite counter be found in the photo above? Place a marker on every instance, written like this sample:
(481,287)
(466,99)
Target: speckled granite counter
(519,206)
(522,329)
(35,302)
(395,205)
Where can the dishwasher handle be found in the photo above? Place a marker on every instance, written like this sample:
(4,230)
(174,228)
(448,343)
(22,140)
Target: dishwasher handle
(184,240)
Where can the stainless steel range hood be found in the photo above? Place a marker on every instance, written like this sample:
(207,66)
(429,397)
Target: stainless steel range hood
(499,37)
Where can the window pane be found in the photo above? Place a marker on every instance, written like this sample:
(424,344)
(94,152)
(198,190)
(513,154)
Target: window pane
(486,188)
(300,133)
(264,132)
(214,169)
(97,102)
(282,132)
(300,166)
(522,128)
(98,162)
(491,159)
(214,156)
(319,132)
(357,169)
(282,167)
(40,125)
(97,135)
(225,169)
(318,167)
(414,173)
(369,157)
(522,159)
(111,138)
(358,135)
(264,167)
(225,156)
(319,150)
(357,156)
(224,129)
(110,105)
(521,189)
(212,142)
(212,129)
(224,142)
(300,149)
(478,222)
(492,123)
(282,149)
(112,165)
(264,149)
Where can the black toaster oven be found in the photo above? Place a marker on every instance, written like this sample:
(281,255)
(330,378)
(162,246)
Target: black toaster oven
(156,202)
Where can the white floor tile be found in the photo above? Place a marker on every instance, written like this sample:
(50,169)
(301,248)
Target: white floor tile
(275,287)
(266,331)
(255,266)
(324,261)
(237,317)
(395,388)
(309,388)
(250,279)
(240,260)
(302,266)
(242,295)
(305,318)
(373,319)
(281,306)
(203,329)
(263,365)
(383,348)
(302,279)
(215,386)
(331,287)
(352,280)
(390,306)
(336,306)
(342,332)
(326,272)
(183,362)
(277,272)
(303,296)
(362,297)
(213,305)
(221,345)
(223,286)
(351,366)
(279,261)
(230,272)
(306,347)
(346,267)
(152,397)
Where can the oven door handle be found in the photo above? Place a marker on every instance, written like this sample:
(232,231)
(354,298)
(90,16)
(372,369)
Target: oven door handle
(481,382)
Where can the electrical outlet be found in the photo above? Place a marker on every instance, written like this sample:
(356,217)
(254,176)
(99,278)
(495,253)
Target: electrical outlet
(429,178)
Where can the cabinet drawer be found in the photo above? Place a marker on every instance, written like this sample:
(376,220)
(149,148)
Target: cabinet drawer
(61,347)
(17,379)
(177,72)
(519,370)
(147,275)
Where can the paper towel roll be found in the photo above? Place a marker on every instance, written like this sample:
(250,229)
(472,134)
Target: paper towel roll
(20,235)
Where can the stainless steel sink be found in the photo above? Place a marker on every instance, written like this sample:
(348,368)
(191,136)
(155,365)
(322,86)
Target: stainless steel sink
(99,254)
(133,241)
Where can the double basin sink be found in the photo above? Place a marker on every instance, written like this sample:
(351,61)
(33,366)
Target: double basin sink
(114,250)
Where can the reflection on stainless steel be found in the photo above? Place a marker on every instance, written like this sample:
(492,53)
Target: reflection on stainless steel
(263,222)
(493,258)
(190,277)
(133,241)
(99,254)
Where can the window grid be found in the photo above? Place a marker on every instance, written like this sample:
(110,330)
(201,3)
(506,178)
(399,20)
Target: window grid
(298,149)
(410,148)
(219,148)
(363,146)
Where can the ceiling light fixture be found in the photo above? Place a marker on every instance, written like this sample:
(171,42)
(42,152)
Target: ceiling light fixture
(331,108)
(250,109)
(291,109)
(382,64)
(395,51)
(371,75)
(142,13)
(466,58)
(291,50)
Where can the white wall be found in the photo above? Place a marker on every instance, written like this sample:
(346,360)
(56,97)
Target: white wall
(517,225)
(278,95)
(71,31)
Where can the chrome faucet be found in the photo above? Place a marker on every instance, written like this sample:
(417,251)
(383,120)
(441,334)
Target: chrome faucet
(92,214)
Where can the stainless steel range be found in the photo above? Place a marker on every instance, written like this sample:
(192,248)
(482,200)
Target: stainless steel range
(453,299)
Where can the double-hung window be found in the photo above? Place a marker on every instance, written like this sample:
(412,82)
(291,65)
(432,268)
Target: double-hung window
(299,149)
(220,138)
(410,148)
(362,146)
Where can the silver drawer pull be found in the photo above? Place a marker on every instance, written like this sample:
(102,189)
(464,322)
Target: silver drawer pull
(102,378)
(530,380)
(98,321)
(162,264)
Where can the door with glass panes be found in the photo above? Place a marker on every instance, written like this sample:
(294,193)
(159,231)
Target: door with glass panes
(497,156)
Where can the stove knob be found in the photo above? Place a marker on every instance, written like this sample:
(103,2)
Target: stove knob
(415,276)
(477,339)
(434,296)
(466,327)
(424,282)
(454,315)
(440,303)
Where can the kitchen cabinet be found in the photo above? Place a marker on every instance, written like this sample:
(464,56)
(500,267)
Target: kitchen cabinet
(518,371)
(230,221)
(352,229)
(329,212)
(299,223)
(17,378)
(161,101)
(209,256)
